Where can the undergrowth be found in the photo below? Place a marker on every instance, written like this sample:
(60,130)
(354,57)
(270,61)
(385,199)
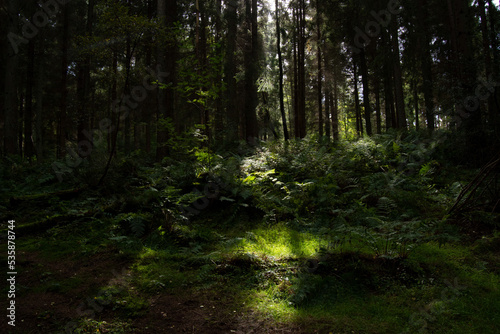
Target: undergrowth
(294,231)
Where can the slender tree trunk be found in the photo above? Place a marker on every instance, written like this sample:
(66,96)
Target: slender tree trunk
(366,92)
(357,107)
(296,107)
(492,16)
(39,104)
(28,112)
(11,82)
(83,92)
(378,106)
(233,117)
(150,106)
(415,104)
(492,112)
(128,121)
(388,100)
(335,111)
(167,15)
(218,117)
(63,104)
(426,62)
(280,65)
(250,59)
(301,69)
(398,79)
(320,70)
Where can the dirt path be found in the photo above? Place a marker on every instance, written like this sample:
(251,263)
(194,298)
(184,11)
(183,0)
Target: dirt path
(53,294)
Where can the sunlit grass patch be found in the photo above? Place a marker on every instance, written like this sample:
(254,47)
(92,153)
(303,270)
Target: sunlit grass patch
(281,242)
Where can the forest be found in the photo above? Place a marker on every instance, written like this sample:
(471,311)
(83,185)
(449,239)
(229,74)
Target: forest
(250,166)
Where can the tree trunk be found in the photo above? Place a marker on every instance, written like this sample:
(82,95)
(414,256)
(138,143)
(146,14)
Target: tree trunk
(320,71)
(398,79)
(366,92)
(11,72)
(28,111)
(492,112)
(357,108)
(377,106)
(232,113)
(251,59)
(280,65)
(415,103)
(167,15)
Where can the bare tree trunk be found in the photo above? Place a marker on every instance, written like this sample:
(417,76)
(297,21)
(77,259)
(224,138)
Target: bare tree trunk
(320,70)
(378,106)
(366,92)
(232,113)
(167,15)
(398,79)
(359,119)
(280,65)
(28,112)
(11,70)
(251,59)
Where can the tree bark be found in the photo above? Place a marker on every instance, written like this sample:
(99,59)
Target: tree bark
(11,70)
(320,70)
(398,79)
(167,15)
(280,65)
(232,113)
(28,110)
(357,108)
(366,92)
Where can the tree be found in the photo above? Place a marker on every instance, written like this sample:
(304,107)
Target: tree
(167,56)
(280,66)
(10,95)
(251,70)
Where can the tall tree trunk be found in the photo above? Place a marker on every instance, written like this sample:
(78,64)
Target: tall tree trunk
(167,15)
(11,71)
(398,79)
(366,92)
(301,69)
(218,116)
(426,62)
(299,57)
(39,104)
(357,108)
(251,59)
(63,103)
(492,112)
(492,16)
(201,56)
(149,105)
(28,112)
(415,104)
(280,65)
(388,100)
(334,106)
(320,70)
(232,113)
(378,106)
(83,92)
(295,43)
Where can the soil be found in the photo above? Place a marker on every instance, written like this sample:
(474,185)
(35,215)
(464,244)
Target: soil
(52,294)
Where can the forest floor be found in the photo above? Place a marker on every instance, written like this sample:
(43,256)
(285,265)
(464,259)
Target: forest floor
(315,242)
